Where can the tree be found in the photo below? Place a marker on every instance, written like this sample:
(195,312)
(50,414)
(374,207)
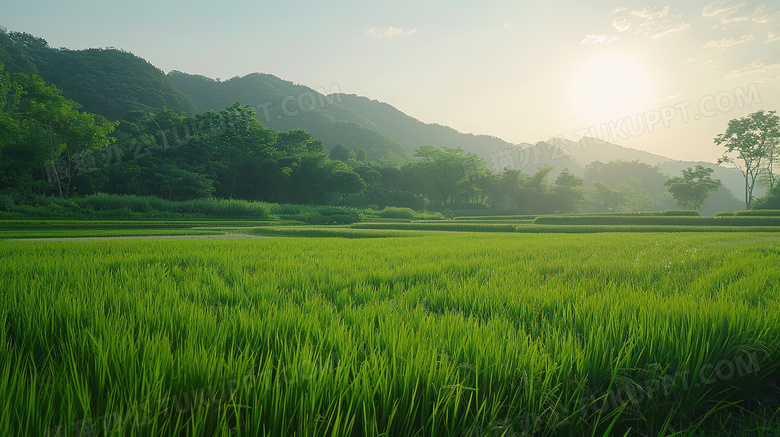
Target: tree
(606,198)
(442,169)
(45,136)
(614,173)
(535,196)
(341,153)
(635,196)
(346,182)
(750,144)
(568,191)
(692,189)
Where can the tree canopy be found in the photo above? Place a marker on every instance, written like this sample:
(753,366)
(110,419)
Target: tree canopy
(692,189)
(751,144)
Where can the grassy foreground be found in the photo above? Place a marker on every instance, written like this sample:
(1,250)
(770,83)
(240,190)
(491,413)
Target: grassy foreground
(453,335)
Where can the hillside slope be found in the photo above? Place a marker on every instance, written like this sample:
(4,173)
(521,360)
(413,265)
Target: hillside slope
(108,82)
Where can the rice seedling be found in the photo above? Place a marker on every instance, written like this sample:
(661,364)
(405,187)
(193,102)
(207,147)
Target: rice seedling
(456,334)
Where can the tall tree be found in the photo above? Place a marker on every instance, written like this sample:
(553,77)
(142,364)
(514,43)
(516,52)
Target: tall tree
(750,143)
(47,136)
(692,189)
(442,169)
(569,194)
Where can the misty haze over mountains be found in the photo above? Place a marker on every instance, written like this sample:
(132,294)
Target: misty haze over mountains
(110,82)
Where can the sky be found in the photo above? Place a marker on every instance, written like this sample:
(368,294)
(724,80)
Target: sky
(652,75)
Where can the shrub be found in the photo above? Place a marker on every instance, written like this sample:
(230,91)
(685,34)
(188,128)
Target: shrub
(395,212)
(6,202)
(331,215)
(759,213)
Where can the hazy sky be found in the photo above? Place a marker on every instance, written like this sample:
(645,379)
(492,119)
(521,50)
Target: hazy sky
(656,76)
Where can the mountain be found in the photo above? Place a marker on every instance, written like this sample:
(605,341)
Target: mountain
(108,82)
(588,150)
(380,128)
(283,105)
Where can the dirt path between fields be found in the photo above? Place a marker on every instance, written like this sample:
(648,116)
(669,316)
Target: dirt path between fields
(151,237)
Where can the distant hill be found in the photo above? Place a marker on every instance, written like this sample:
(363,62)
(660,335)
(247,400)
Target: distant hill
(283,105)
(108,82)
(588,150)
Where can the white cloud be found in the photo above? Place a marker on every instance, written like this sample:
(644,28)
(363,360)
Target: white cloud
(650,13)
(649,22)
(731,15)
(621,24)
(767,79)
(689,60)
(619,9)
(762,65)
(666,29)
(774,35)
(598,39)
(389,31)
(671,97)
(709,64)
(727,42)
(719,7)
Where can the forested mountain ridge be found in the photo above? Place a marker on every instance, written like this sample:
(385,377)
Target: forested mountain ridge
(284,106)
(108,82)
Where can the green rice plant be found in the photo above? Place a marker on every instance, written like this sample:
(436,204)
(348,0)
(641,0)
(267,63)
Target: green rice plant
(443,334)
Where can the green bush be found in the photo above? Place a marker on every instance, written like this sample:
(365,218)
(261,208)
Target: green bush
(6,202)
(331,215)
(759,213)
(429,215)
(395,212)
(285,209)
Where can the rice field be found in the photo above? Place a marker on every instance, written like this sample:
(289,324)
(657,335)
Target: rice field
(439,334)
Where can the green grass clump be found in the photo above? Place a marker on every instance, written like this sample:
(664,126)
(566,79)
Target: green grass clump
(29,225)
(680,213)
(496,218)
(443,226)
(331,215)
(672,229)
(103,233)
(113,206)
(394,212)
(656,220)
(330,231)
(752,213)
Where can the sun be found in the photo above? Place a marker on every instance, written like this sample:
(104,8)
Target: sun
(610,86)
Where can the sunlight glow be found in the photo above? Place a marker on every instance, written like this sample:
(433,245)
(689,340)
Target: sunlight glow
(610,86)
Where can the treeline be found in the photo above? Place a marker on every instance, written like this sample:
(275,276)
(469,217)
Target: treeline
(50,147)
